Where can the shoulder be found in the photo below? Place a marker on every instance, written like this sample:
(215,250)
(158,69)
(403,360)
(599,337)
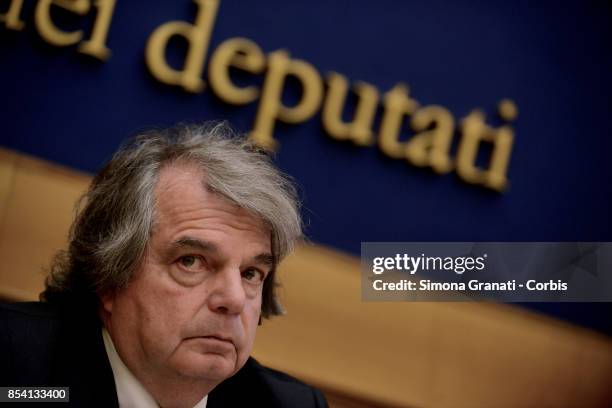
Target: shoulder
(28,310)
(279,380)
(260,384)
(27,321)
(28,338)
(54,344)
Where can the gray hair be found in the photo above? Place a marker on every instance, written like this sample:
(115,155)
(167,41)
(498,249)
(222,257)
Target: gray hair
(112,229)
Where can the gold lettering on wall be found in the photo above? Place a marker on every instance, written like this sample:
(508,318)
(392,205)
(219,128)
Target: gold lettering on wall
(271,108)
(359,130)
(397,104)
(240,53)
(11,17)
(433,125)
(431,145)
(96,45)
(49,31)
(197,36)
(474,130)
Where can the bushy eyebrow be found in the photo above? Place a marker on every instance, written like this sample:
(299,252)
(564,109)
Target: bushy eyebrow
(265,258)
(193,243)
(186,242)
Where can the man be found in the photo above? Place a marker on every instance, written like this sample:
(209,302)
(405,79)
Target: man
(170,269)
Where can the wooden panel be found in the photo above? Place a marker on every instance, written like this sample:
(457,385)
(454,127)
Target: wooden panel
(7,171)
(427,354)
(35,225)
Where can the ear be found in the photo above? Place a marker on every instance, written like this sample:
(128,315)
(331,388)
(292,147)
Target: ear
(108,300)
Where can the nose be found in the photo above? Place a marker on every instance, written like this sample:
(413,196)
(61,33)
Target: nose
(227,295)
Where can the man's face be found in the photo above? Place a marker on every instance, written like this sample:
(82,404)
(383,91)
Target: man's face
(192,307)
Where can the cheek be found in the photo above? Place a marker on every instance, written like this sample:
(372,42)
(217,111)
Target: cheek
(250,322)
(167,310)
(156,313)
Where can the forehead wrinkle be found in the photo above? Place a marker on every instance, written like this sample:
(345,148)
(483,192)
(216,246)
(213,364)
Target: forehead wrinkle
(181,178)
(211,208)
(201,225)
(213,220)
(183,202)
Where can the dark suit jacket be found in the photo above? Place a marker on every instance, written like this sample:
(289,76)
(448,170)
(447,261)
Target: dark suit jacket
(53,345)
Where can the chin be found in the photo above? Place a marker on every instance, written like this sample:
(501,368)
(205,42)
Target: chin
(212,367)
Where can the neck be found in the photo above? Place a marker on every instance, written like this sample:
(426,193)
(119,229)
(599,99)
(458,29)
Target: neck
(170,393)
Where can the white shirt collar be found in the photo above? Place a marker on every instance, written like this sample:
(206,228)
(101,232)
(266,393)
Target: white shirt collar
(130,392)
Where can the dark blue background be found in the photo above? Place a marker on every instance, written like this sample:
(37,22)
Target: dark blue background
(552,58)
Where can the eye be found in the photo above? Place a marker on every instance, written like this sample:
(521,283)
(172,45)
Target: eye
(191,263)
(253,275)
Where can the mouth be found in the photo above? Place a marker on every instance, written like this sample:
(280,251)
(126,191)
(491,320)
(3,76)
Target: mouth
(213,338)
(219,338)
